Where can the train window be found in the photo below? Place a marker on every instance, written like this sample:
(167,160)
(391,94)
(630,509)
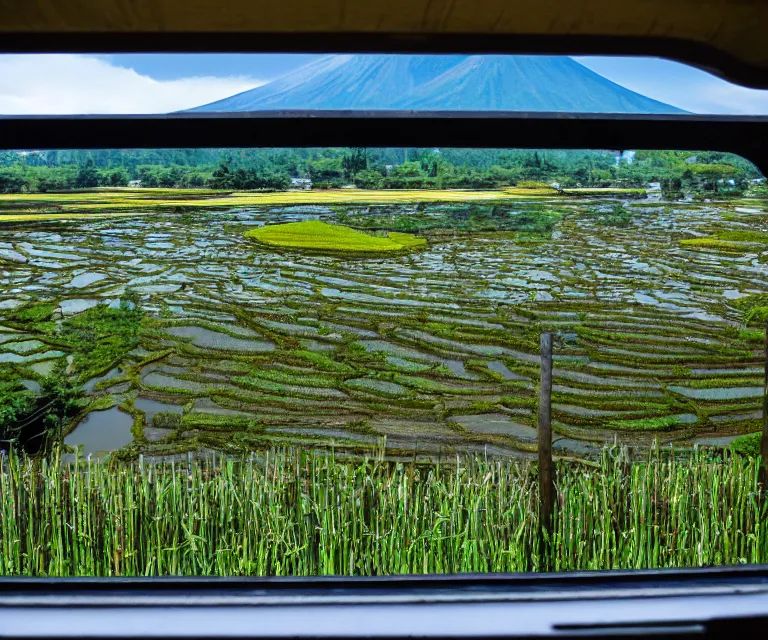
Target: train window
(283,358)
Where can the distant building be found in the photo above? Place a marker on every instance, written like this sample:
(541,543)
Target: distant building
(301,183)
(625,156)
(134,183)
(653,191)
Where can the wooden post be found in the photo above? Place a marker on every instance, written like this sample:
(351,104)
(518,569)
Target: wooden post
(546,467)
(762,477)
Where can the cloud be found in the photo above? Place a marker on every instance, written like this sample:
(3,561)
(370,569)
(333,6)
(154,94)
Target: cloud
(74,84)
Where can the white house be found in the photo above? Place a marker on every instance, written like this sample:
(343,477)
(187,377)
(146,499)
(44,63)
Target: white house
(301,183)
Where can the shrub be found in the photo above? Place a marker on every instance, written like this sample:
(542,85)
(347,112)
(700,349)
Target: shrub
(747,445)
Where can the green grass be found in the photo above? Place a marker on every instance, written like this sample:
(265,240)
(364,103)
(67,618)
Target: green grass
(661,423)
(292,512)
(729,241)
(314,235)
(323,362)
(285,377)
(34,312)
(100,337)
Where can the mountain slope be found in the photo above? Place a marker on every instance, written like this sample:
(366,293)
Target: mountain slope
(515,83)
(527,83)
(341,82)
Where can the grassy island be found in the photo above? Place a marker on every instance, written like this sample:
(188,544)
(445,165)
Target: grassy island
(314,235)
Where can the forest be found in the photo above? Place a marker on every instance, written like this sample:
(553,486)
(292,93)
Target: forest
(272,169)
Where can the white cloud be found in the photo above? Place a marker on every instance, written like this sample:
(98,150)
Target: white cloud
(73,84)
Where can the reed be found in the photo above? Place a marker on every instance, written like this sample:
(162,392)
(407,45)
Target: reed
(296,512)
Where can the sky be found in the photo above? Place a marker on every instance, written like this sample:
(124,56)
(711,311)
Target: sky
(159,83)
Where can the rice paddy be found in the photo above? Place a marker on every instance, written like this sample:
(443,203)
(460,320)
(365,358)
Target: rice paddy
(19,207)
(282,387)
(242,346)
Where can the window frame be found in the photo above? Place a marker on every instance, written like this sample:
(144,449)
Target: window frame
(666,603)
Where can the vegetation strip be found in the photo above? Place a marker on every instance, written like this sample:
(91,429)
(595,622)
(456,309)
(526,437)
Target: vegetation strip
(294,512)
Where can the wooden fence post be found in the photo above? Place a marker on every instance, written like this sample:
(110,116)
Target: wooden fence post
(762,477)
(546,467)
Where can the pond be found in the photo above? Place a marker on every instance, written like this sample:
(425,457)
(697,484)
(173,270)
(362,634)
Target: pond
(101,432)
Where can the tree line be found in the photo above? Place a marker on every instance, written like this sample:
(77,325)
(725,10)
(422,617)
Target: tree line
(272,169)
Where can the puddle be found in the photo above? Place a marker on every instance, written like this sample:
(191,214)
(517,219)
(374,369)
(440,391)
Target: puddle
(738,417)
(110,375)
(206,338)
(567,446)
(495,424)
(730,393)
(43,368)
(721,441)
(31,385)
(163,381)
(377,386)
(102,431)
(499,367)
(85,280)
(73,307)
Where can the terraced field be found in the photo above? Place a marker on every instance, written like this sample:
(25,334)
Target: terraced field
(243,346)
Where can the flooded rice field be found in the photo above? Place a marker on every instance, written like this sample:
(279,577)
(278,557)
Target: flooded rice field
(242,347)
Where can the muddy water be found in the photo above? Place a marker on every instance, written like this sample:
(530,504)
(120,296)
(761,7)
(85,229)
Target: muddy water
(101,432)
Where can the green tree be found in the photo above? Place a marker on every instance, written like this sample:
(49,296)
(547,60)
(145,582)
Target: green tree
(369,179)
(356,160)
(13,180)
(87,175)
(117,177)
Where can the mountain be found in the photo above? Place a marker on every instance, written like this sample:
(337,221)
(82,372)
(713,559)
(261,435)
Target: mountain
(443,82)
